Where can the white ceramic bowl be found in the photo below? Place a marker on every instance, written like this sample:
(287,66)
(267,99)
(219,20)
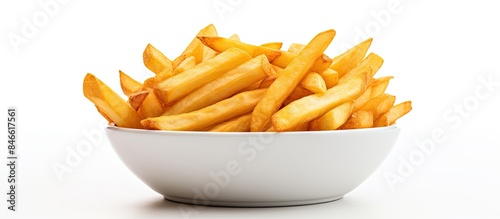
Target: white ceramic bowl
(253,169)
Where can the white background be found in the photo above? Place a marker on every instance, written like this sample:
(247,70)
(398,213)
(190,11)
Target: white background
(438,53)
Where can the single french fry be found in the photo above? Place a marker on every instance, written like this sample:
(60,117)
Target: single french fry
(221,44)
(196,47)
(154,60)
(363,99)
(295,48)
(320,64)
(331,77)
(273,45)
(135,100)
(185,65)
(110,103)
(150,107)
(129,85)
(288,79)
(379,104)
(379,85)
(359,119)
(182,84)
(396,112)
(238,124)
(314,82)
(223,87)
(333,119)
(221,111)
(315,105)
(346,61)
(371,63)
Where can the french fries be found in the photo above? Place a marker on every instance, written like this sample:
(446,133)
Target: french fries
(129,85)
(110,103)
(333,119)
(220,84)
(393,114)
(288,80)
(221,111)
(313,106)
(238,124)
(351,58)
(180,85)
(223,87)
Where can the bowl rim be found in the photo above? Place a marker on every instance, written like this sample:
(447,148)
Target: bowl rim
(206,133)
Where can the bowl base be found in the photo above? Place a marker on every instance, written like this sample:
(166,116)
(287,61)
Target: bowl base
(254,204)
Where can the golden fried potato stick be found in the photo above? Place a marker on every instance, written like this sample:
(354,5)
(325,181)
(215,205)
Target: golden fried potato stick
(135,100)
(346,61)
(379,104)
(185,65)
(129,85)
(221,111)
(110,103)
(379,85)
(287,80)
(314,82)
(371,63)
(238,124)
(273,45)
(363,99)
(315,105)
(155,61)
(331,77)
(223,87)
(221,44)
(196,47)
(182,84)
(333,119)
(359,119)
(150,107)
(396,112)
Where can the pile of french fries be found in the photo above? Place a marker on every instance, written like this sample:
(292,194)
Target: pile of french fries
(225,85)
